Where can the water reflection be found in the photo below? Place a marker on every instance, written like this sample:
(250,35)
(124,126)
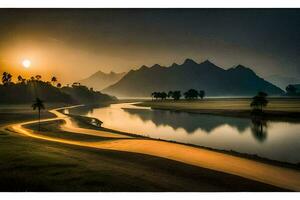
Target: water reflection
(259,129)
(188,121)
(274,140)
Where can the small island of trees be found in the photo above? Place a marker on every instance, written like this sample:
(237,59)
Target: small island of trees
(176,95)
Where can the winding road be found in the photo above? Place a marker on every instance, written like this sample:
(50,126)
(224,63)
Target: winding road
(274,175)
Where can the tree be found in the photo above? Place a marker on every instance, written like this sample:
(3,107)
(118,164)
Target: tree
(53,79)
(291,90)
(20,79)
(201,94)
(58,85)
(176,95)
(191,94)
(170,93)
(6,78)
(38,77)
(259,101)
(38,104)
(163,95)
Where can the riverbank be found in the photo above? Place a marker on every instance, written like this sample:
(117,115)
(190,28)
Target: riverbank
(30,164)
(249,169)
(284,109)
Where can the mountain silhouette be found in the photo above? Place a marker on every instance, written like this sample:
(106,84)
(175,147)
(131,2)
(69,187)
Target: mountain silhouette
(101,80)
(216,81)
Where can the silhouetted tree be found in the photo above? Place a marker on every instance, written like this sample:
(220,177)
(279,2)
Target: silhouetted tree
(201,94)
(191,94)
(38,77)
(155,95)
(58,85)
(53,80)
(38,104)
(163,95)
(20,79)
(291,90)
(176,95)
(259,101)
(6,78)
(170,93)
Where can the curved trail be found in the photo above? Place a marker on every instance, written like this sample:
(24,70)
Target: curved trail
(266,173)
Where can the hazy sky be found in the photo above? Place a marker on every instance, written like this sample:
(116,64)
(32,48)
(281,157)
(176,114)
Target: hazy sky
(73,43)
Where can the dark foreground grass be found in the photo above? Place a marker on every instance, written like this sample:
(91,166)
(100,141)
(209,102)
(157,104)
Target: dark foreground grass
(33,165)
(29,164)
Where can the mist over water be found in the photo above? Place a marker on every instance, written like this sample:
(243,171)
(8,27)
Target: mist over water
(274,140)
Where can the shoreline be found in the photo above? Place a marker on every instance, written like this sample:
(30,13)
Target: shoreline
(200,157)
(271,115)
(254,157)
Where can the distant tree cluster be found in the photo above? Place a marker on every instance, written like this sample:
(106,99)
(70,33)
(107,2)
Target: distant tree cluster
(27,90)
(291,90)
(176,95)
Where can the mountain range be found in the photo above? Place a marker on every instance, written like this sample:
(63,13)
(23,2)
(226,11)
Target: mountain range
(101,80)
(216,81)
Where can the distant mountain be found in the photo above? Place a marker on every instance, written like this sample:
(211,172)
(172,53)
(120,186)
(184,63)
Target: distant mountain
(101,80)
(283,81)
(216,81)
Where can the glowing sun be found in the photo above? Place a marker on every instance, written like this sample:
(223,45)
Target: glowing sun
(26,63)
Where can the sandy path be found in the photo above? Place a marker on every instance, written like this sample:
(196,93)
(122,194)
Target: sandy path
(274,175)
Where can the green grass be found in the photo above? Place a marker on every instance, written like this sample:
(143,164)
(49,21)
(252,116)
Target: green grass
(52,129)
(29,164)
(287,105)
(32,165)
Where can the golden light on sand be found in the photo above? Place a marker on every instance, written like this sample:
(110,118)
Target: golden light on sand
(26,63)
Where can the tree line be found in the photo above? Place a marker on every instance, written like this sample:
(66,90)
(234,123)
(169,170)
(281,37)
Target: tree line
(176,95)
(7,80)
(26,90)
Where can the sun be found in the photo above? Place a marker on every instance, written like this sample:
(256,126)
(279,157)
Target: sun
(26,63)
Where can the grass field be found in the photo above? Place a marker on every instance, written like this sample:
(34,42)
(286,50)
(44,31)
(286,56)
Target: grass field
(234,106)
(29,164)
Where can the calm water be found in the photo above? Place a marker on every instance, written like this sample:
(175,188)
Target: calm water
(274,140)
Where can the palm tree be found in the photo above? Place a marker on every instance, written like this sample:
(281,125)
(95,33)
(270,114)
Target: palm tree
(259,101)
(38,77)
(38,104)
(53,79)
(20,79)
(6,78)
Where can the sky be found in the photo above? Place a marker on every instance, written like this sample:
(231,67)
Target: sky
(71,44)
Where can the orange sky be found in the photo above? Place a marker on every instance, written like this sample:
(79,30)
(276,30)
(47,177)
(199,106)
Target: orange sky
(71,44)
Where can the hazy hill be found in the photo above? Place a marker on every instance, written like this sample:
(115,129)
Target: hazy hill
(101,80)
(216,81)
(26,92)
(82,94)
